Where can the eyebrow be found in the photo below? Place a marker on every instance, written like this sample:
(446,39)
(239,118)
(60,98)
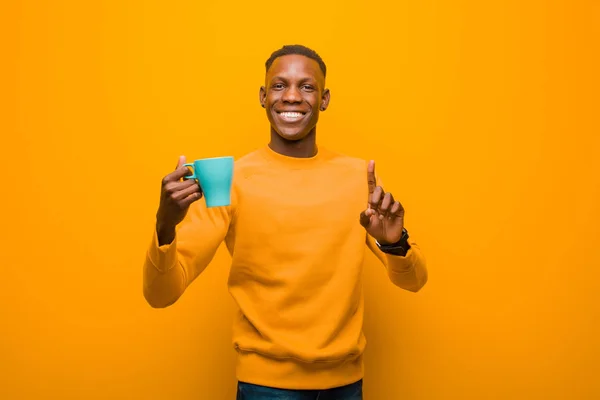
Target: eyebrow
(302,80)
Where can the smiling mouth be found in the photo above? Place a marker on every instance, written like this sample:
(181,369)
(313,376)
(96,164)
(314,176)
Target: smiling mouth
(291,116)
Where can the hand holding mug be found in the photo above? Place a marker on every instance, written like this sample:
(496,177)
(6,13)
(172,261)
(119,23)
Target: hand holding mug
(175,199)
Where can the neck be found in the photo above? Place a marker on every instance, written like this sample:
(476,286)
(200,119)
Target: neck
(303,148)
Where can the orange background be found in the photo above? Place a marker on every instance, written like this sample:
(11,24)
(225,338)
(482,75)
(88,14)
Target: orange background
(482,116)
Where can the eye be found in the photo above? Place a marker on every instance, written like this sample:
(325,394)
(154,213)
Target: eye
(277,86)
(308,88)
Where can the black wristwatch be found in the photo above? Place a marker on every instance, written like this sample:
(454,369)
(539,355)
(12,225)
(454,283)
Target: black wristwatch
(400,248)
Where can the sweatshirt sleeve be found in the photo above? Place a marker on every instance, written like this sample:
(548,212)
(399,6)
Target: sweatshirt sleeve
(169,269)
(408,272)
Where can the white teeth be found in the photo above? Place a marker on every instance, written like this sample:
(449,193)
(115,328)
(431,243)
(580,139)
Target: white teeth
(291,114)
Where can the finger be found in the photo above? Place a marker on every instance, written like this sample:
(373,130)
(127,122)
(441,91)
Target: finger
(372,181)
(176,186)
(190,199)
(185,192)
(386,203)
(365,217)
(397,210)
(176,175)
(376,198)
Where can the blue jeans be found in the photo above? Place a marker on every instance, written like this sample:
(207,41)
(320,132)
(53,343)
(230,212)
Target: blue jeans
(248,391)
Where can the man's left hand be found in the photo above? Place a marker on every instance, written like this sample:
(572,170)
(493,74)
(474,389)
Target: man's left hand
(384,217)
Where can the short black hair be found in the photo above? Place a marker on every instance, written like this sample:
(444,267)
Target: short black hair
(297,49)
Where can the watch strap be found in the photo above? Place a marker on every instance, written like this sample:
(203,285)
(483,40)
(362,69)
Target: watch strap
(400,248)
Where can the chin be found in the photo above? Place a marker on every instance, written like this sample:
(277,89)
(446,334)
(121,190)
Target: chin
(292,136)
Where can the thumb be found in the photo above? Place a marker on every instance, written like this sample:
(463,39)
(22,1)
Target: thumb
(180,162)
(365,217)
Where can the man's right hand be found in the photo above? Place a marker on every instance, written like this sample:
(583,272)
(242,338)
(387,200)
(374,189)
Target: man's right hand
(175,199)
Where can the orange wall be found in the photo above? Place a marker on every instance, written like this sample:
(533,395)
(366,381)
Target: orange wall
(483,117)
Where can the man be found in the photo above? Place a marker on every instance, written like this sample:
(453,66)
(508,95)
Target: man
(300,220)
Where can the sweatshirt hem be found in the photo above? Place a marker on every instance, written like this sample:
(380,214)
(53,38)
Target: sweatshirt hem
(291,373)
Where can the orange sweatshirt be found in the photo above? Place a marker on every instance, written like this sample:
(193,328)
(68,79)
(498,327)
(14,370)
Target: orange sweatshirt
(297,251)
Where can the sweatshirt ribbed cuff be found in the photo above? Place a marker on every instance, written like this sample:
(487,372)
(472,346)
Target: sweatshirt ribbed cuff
(162,257)
(401,264)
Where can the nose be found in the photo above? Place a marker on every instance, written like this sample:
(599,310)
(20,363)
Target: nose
(291,95)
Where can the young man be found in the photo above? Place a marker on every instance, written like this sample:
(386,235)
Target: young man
(297,229)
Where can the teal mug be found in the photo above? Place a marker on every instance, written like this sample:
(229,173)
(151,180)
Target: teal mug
(215,176)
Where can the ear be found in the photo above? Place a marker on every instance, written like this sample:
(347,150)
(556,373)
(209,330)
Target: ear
(262,96)
(325,100)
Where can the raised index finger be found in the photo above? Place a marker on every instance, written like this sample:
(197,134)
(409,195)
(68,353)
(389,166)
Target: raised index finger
(371,176)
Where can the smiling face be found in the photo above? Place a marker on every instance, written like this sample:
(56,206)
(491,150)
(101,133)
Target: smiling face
(293,95)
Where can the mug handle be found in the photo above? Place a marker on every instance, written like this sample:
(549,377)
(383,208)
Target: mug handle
(193,176)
